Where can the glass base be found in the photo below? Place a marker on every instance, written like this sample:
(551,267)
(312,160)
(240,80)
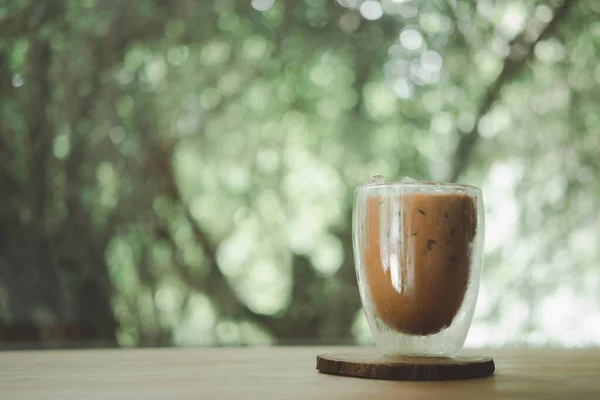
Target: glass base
(446,343)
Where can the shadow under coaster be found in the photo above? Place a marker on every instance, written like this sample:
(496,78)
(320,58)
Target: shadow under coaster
(376,366)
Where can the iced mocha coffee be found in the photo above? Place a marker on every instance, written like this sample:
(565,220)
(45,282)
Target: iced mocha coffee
(418,286)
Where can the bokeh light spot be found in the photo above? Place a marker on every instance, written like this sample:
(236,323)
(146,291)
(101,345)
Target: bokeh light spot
(178,55)
(434,23)
(513,20)
(254,48)
(215,53)
(411,39)
(381,101)
(17,80)
(210,98)
(61,146)
(550,51)
(371,10)
(431,61)
(403,88)
(322,75)
(349,22)
(543,13)
(328,255)
(262,5)
(116,134)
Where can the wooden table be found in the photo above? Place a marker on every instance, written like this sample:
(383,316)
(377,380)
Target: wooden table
(277,373)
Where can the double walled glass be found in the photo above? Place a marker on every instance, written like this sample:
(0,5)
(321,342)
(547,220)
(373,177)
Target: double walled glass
(418,257)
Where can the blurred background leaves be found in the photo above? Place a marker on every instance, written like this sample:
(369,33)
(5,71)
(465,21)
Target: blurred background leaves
(182,173)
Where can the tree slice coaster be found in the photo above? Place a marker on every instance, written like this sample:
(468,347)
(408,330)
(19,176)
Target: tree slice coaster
(405,368)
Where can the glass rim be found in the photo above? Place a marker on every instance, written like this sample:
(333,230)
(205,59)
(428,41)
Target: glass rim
(426,184)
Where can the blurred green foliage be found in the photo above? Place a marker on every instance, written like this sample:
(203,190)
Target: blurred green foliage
(183,172)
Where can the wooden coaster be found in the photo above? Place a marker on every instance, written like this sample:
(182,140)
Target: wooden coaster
(405,368)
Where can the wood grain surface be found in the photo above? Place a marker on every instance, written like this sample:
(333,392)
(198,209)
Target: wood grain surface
(376,366)
(278,373)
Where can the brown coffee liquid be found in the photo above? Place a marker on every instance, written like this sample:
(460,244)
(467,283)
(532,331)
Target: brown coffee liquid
(423,295)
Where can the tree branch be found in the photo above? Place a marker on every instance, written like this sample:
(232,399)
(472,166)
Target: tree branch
(521,51)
